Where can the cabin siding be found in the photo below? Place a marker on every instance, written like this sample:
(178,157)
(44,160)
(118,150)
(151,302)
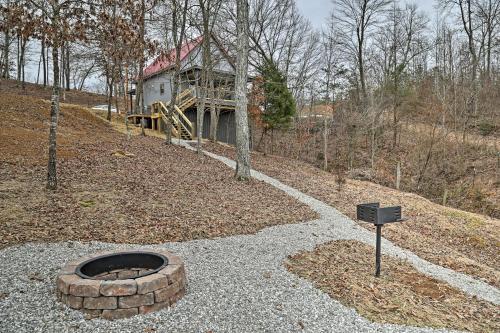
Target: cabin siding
(194,59)
(152,89)
(219,61)
(191,64)
(226,127)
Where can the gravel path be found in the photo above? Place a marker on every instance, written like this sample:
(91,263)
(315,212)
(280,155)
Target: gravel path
(348,229)
(236,284)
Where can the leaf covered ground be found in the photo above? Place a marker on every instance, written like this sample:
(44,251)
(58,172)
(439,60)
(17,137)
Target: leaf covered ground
(76,97)
(401,295)
(116,190)
(462,241)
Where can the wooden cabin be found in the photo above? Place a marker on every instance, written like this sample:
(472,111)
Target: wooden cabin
(158,85)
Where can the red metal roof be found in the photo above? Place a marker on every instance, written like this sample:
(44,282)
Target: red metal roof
(167,60)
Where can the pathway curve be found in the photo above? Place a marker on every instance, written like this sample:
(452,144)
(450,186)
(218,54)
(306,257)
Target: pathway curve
(236,284)
(345,228)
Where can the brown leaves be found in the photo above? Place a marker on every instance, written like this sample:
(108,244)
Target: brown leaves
(162,193)
(444,236)
(122,153)
(401,295)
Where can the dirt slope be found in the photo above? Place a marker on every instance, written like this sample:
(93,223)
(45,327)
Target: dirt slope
(460,240)
(117,190)
(82,98)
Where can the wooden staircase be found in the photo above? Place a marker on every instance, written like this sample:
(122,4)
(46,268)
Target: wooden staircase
(182,127)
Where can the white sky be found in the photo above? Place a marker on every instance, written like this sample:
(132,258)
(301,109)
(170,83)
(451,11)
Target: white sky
(317,11)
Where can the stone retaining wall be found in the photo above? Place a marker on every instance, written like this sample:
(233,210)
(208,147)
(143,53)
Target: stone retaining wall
(121,294)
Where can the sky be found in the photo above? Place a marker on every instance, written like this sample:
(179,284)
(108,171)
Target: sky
(317,11)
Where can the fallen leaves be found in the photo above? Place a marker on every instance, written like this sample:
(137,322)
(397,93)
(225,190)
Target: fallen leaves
(459,240)
(162,193)
(122,153)
(402,295)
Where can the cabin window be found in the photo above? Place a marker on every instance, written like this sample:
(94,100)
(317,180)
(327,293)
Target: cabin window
(162,88)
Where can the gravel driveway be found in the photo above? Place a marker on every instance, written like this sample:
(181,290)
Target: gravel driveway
(235,284)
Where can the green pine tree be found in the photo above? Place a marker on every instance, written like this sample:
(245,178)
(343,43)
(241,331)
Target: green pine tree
(279,106)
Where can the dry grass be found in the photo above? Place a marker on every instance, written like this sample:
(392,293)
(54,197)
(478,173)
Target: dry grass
(462,241)
(76,97)
(402,295)
(116,190)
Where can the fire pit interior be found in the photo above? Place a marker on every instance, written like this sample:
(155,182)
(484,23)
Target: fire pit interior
(122,265)
(115,285)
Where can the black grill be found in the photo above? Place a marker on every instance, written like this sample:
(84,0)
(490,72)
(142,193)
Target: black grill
(372,213)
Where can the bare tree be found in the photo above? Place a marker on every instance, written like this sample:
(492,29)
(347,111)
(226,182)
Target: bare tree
(114,36)
(24,31)
(466,13)
(61,21)
(400,41)
(358,17)
(242,133)
(179,16)
(6,26)
(206,62)
(489,13)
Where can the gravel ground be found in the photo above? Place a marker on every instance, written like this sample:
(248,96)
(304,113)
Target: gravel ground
(235,284)
(348,229)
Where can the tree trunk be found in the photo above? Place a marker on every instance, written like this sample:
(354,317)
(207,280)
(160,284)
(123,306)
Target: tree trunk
(242,135)
(6,53)
(139,99)
(22,61)
(200,111)
(398,175)
(325,144)
(84,78)
(117,95)
(18,59)
(213,114)
(54,114)
(66,68)
(44,62)
(38,70)
(206,63)
(178,39)
(110,96)
(47,53)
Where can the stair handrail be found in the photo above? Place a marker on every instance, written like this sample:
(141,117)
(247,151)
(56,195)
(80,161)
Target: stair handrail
(183,116)
(166,118)
(176,119)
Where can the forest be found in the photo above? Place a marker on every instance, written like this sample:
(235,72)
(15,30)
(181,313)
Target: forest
(382,91)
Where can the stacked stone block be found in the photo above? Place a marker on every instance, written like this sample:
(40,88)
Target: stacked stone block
(122,294)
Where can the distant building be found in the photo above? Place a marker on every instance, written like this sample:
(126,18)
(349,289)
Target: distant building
(158,85)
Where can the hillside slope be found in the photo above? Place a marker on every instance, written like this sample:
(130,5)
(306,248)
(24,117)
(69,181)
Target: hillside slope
(463,241)
(116,190)
(82,98)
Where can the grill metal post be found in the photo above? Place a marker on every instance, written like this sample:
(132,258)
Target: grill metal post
(377,250)
(373,213)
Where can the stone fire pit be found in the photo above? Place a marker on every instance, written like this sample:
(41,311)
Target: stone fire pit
(115,284)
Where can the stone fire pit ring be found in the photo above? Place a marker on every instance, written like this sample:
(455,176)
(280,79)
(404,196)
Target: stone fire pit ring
(121,284)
